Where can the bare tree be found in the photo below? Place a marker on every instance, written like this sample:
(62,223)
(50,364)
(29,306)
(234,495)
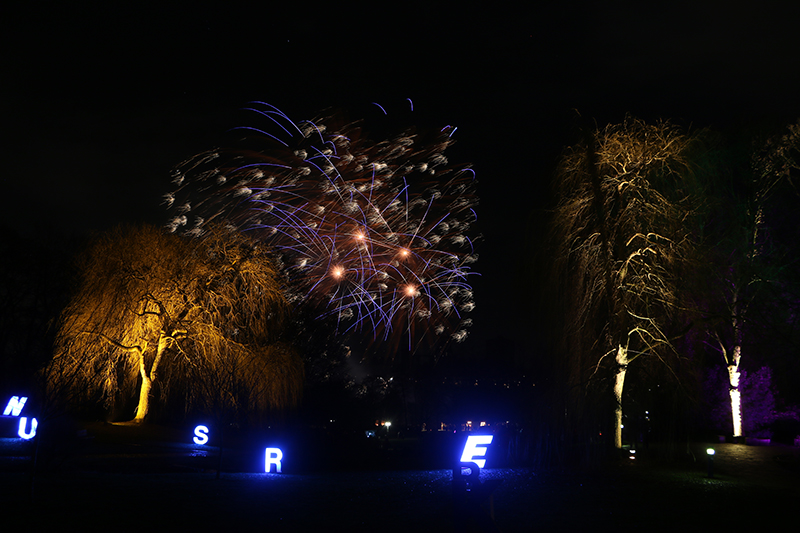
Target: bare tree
(198,317)
(748,258)
(621,232)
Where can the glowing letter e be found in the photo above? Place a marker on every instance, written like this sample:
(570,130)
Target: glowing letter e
(473,448)
(273,457)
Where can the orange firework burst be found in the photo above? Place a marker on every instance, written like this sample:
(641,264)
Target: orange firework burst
(377,233)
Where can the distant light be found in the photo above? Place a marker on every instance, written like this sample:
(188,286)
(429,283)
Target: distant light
(387,424)
(27,434)
(273,457)
(476,447)
(201,435)
(710,451)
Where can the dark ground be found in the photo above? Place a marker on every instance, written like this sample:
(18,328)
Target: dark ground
(120,478)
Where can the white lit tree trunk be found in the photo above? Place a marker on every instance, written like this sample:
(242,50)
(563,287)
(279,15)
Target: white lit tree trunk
(736,396)
(619,382)
(732,364)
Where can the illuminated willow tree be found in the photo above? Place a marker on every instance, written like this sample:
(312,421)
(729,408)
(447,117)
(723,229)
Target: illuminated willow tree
(621,233)
(749,262)
(200,319)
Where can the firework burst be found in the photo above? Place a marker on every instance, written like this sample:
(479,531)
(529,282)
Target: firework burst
(375,232)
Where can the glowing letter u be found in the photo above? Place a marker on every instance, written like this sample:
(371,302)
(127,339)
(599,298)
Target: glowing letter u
(23,421)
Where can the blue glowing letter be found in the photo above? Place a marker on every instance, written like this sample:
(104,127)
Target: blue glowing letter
(474,449)
(15,405)
(23,421)
(201,435)
(274,456)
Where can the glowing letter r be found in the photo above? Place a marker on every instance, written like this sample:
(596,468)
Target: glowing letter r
(273,457)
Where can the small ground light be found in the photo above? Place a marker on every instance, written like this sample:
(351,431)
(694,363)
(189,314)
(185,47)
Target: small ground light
(710,453)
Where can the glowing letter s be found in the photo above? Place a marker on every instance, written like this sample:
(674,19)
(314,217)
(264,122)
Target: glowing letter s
(15,405)
(201,435)
(473,448)
(23,421)
(273,457)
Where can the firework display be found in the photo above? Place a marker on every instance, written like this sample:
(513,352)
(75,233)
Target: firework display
(375,233)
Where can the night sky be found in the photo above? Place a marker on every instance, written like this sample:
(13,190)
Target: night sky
(99,104)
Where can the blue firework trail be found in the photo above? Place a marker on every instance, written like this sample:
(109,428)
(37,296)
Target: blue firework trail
(376,233)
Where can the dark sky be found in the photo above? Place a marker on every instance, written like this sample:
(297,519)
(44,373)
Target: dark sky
(98,104)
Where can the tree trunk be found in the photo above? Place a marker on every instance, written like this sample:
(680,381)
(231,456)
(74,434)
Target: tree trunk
(733,363)
(736,396)
(148,379)
(622,368)
(144,399)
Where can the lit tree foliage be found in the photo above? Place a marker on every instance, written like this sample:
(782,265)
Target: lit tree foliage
(621,233)
(200,319)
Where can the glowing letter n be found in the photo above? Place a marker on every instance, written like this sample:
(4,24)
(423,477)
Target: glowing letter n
(273,457)
(15,405)
(475,447)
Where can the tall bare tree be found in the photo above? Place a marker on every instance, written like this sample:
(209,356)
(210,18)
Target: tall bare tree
(621,232)
(199,317)
(749,258)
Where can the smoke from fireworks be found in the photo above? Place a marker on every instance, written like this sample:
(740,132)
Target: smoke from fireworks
(375,232)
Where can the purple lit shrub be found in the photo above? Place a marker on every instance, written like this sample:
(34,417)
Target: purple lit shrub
(758,403)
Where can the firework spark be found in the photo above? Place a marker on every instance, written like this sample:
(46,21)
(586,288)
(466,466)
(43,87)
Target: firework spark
(376,232)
